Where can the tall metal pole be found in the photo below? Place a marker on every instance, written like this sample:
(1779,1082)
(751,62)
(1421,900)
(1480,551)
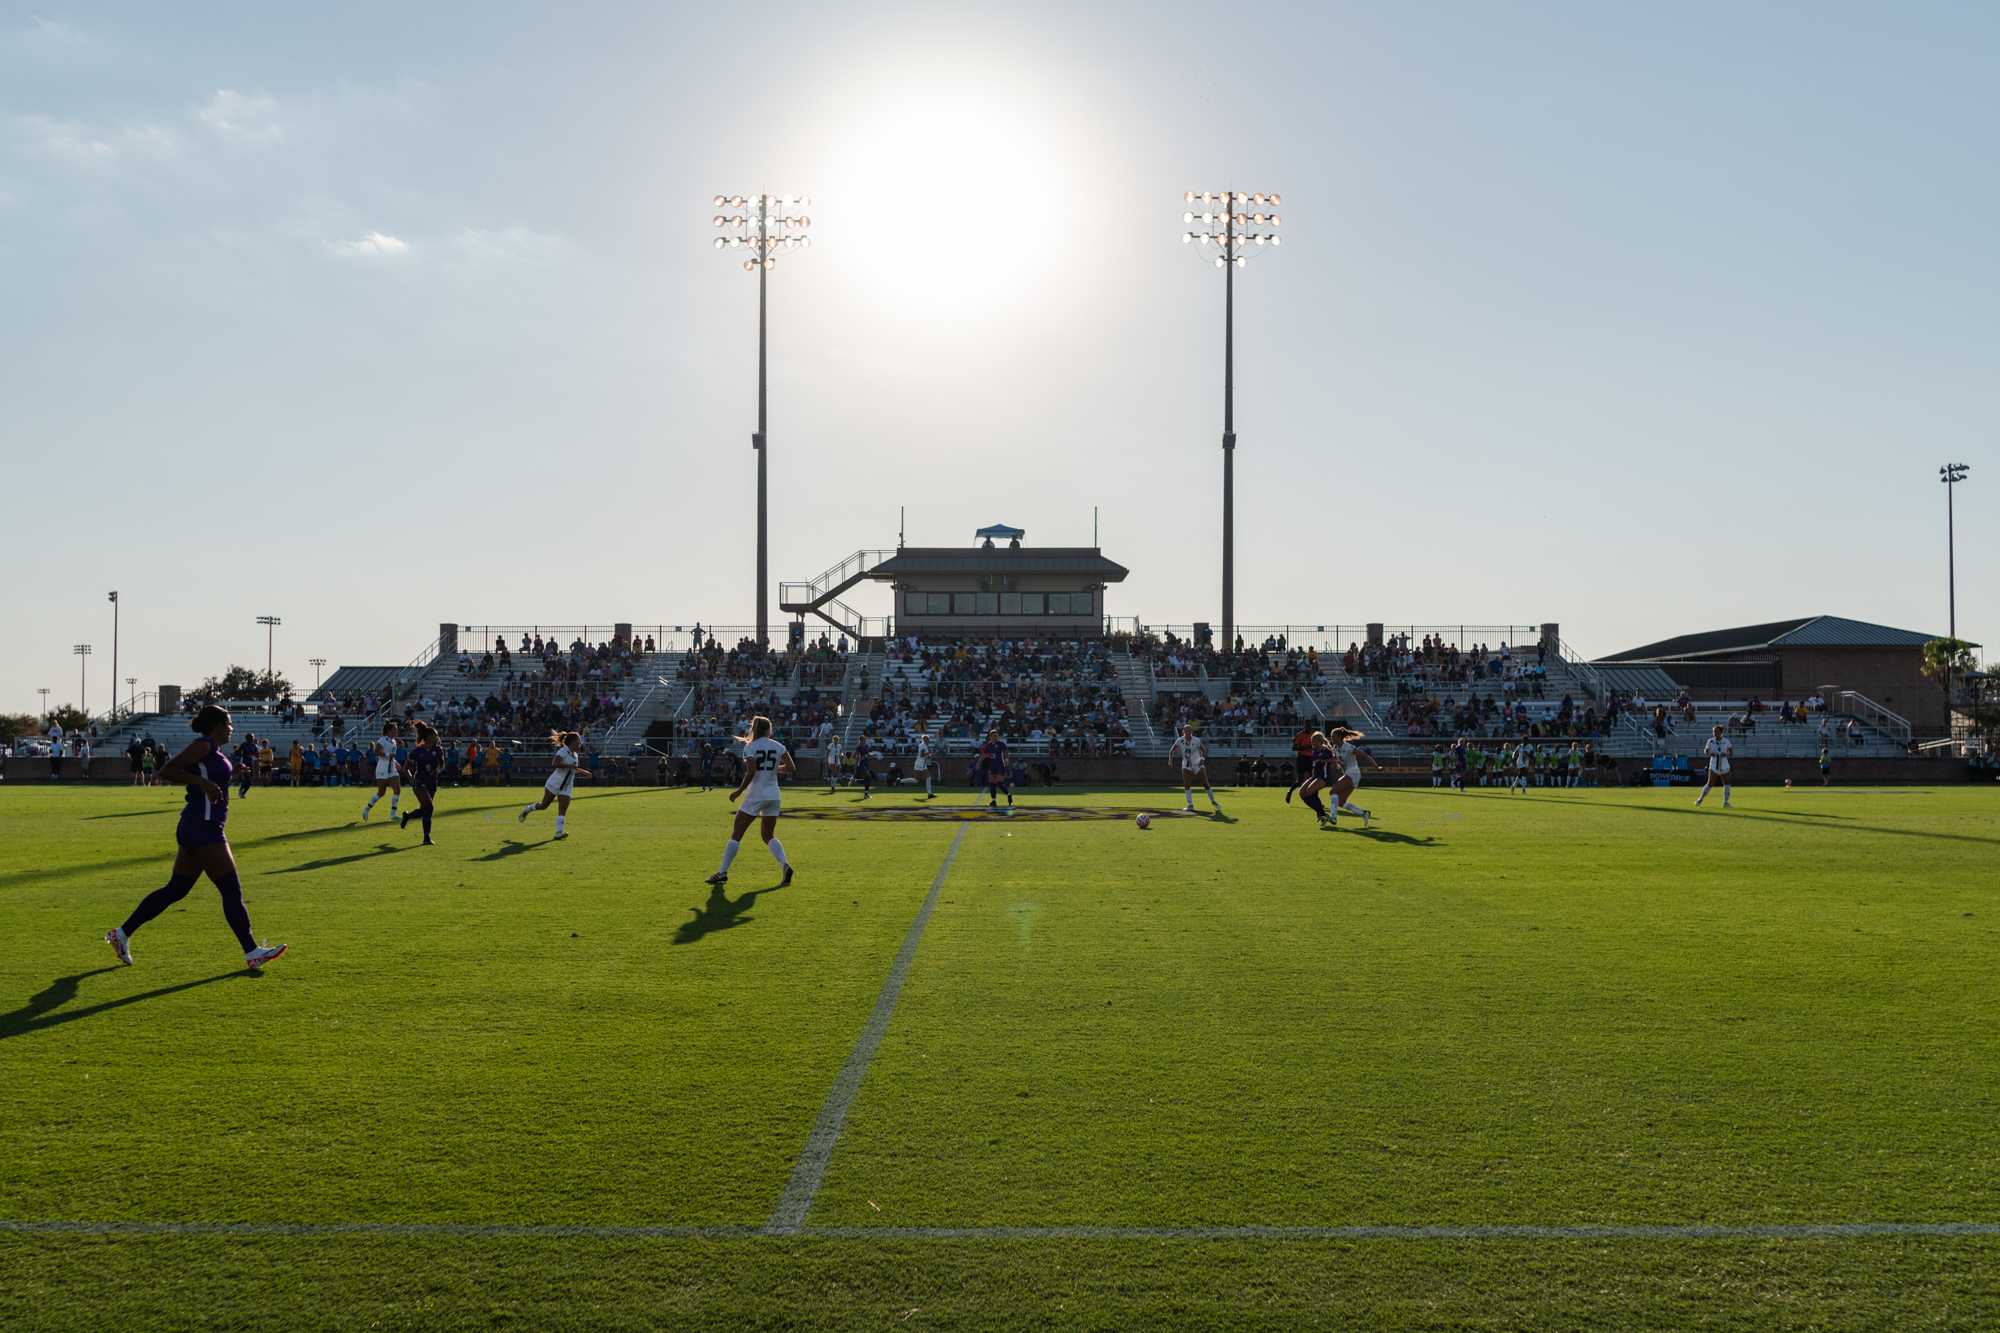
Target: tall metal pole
(762,443)
(114,655)
(1950,561)
(1229,432)
(82,651)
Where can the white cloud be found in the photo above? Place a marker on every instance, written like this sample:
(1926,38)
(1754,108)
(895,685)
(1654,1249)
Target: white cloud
(511,245)
(81,144)
(233,116)
(375,245)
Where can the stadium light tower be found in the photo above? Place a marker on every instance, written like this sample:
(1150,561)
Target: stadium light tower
(317,663)
(1951,474)
(270,624)
(82,651)
(1229,227)
(762,224)
(44,692)
(114,654)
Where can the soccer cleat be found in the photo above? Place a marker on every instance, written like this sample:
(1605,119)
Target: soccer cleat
(428,843)
(270,953)
(526,810)
(560,836)
(364,811)
(406,818)
(787,879)
(719,877)
(115,937)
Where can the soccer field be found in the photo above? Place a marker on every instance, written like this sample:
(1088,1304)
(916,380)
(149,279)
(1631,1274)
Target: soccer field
(1565,1059)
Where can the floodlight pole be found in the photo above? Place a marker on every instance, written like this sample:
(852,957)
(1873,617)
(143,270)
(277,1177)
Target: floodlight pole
(761,443)
(114,655)
(82,651)
(1229,435)
(1233,244)
(1951,474)
(270,624)
(762,231)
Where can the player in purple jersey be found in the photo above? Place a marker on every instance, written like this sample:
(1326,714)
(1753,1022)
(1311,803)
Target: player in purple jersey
(204,847)
(420,769)
(993,763)
(244,761)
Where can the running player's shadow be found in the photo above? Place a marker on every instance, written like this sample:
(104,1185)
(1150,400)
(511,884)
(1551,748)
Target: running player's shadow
(37,1012)
(137,814)
(1394,839)
(326,862)
(512,847)
(720,912)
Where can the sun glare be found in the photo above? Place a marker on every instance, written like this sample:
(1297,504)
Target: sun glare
(951,194)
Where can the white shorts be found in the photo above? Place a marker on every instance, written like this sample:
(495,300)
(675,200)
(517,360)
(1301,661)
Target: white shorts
(385,770)
(760,809)
(1194,772)
(1353,775)
(559,784)
(1720,768)
(923,765)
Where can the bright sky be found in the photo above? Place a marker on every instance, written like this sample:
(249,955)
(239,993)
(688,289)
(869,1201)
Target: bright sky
(1643,318)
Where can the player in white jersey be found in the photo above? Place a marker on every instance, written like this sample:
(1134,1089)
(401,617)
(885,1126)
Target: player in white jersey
(565,770)
(1193,754)
(764,762)
(388,777)
(923,762)
(1718,748)
(1348,753)
(831,763)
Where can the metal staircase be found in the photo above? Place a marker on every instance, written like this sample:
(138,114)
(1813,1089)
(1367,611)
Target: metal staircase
(815,596)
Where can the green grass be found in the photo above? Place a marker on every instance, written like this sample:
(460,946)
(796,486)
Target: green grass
(1569,1009)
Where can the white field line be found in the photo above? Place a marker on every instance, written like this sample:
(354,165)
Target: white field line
(810,1169)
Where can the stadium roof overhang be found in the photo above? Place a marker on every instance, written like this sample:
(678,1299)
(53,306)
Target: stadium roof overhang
(1806,632)
(1081,560)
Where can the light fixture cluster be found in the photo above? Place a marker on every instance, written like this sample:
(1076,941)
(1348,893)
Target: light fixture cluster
(1230,224)
(765,225)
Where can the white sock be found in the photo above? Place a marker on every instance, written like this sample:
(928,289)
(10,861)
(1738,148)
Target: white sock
(559,823)
(371,801)
(1353,809)
(1725,794)
(1211,799)
(927,786)
(729,850)
(778,853)
(392,804)
(526,810)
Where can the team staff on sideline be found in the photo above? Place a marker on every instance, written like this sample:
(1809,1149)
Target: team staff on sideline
(765,761)
(203,843)
(1193,755)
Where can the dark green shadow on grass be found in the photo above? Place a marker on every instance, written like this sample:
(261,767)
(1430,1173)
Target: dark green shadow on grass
(1799,820)
(325,862)
(720,912)
(38,1013)
(1389,838)
(166,852)
(137,814)
(512,847)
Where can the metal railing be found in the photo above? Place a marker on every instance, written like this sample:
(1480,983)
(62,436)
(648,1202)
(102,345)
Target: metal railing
(1856,704)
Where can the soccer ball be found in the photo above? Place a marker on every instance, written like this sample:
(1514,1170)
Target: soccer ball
(1788,784)
(1145,820)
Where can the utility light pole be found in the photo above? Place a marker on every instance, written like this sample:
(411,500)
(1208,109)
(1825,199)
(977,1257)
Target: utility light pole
(82,651)
(1951,474)
(1221,226)
(44,692)
(114,655)
(317,663)
(270,624)
(768,223)
(131,694)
